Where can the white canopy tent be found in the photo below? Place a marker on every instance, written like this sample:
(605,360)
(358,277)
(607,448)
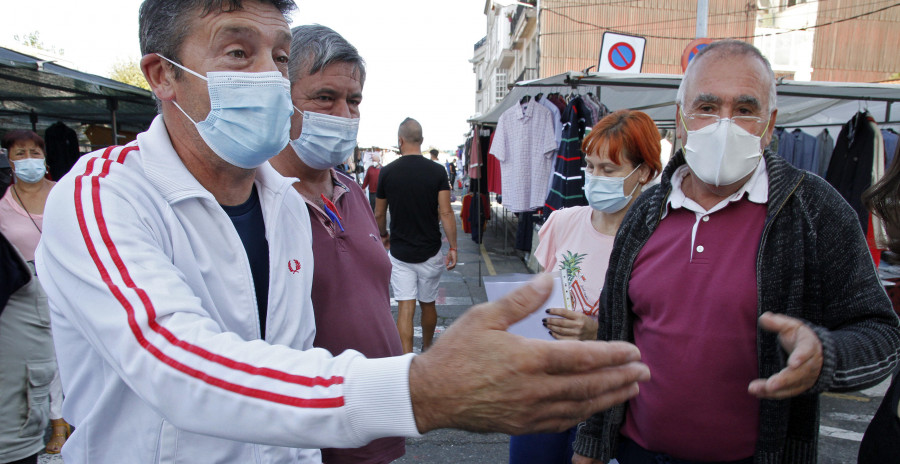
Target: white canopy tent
(800,104)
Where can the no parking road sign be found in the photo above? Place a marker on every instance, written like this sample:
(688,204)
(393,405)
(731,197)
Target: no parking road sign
(621,53)
(692,49)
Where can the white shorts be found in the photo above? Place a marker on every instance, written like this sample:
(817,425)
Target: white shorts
(417,281)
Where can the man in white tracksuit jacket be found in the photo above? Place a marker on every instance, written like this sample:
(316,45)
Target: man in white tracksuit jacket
(163,355)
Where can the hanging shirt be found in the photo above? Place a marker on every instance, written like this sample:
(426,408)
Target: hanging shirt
(524,144)
(824,148)
(567,183)
(799,150)
(890,145)
(557,123)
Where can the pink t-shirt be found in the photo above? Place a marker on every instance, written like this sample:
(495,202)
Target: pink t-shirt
(17,227)
(569,240)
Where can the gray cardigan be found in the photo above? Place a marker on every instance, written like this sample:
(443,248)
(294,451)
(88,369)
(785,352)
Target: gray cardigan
(813,263)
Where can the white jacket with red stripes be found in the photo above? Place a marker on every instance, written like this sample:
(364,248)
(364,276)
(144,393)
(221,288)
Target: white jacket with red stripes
(157,333)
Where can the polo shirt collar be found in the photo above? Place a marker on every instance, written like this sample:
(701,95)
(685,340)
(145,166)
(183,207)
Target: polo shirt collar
(756,188)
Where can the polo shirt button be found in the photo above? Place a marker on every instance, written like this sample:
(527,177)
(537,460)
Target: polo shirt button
(705,218)
(699,248)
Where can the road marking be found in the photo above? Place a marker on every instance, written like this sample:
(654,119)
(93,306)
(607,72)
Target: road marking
(487,261)
(834,432)
(864,418)
(845,396)
(446,301)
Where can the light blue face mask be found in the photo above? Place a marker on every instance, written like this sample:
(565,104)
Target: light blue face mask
(249,119)
(607,194)
(30,170)
(325,140)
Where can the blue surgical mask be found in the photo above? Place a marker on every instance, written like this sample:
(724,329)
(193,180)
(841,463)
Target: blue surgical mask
(607,194)
(30,170)
(249,119)
(325,140)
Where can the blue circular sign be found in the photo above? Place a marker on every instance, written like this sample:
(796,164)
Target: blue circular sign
(621,56)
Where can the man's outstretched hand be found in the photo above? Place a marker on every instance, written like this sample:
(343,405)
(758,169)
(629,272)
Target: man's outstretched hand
(480,378)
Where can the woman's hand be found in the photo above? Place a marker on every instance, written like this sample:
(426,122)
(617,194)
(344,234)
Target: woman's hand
(572,325)
(579,459)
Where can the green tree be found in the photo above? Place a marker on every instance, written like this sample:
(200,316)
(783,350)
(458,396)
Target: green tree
(129,72)
(33,39)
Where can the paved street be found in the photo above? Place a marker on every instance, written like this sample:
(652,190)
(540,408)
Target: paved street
(844,416)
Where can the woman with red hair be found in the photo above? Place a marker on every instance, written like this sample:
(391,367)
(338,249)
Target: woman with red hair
(622,154)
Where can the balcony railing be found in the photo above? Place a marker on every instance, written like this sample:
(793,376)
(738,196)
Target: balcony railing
(527,74)
(480,43)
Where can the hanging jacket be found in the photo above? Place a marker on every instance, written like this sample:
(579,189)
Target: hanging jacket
(153,299)
(850,169)
(62,149)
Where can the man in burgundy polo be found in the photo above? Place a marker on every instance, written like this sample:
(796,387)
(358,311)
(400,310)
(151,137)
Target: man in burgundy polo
(350,293)
(746,283)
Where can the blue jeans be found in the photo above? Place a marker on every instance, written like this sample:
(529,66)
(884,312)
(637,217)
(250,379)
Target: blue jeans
(542,448)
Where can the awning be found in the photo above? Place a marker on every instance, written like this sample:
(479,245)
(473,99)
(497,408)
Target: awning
(800,104)
(31,87)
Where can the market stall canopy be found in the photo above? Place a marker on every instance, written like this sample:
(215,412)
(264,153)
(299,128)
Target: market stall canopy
(800,104)
(32,87)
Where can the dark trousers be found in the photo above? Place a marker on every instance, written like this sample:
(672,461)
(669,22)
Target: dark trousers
(881,443)
(542,448)
(372,200)
(632,453)
(28,460)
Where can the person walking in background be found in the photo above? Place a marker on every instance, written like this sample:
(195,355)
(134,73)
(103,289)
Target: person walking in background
(345,242)
(746,283)
(621,157)
(451,172)
(26,337)
(418,194)
(370,181)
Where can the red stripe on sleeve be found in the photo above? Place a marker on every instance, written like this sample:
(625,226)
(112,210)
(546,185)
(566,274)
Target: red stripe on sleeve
(151,313)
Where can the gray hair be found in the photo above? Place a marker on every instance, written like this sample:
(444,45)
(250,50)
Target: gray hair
(165,24)
(411,131)
(314,47)
(728,48)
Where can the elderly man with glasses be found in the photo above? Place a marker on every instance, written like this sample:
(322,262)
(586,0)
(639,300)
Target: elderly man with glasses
(745,282)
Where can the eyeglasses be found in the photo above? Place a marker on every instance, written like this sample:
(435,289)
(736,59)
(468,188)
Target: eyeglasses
(697,121)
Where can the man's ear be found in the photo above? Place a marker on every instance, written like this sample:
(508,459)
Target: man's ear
(679,125)
(156,71)
(770,130)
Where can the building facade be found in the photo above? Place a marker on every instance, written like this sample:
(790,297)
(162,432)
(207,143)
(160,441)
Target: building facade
(827,40)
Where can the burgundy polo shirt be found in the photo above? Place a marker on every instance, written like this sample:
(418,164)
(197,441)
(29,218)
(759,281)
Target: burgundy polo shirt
(694,292)
(351,297)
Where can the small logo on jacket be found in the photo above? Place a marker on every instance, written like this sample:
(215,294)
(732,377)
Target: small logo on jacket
(294,266)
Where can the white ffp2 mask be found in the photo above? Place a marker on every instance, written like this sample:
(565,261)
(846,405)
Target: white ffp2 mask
(722,153)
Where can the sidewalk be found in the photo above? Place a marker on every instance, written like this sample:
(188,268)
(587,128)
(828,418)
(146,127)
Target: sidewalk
(460,289)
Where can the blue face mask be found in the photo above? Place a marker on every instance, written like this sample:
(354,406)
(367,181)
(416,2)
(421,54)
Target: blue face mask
(249,119)
(607,194)
(30,170)
(325,140)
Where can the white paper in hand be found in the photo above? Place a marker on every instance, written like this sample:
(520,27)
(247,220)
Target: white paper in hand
(532,326)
